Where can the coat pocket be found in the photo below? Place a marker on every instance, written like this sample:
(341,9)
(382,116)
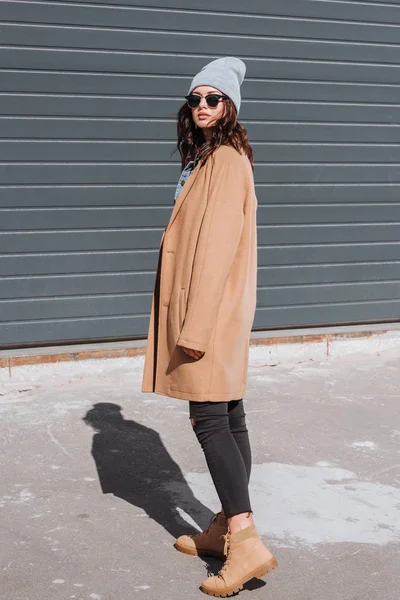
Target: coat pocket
(182,307)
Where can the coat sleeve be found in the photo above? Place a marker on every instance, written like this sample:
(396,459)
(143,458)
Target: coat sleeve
(218,241)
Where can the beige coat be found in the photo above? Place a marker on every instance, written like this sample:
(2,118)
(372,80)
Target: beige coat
(205,290)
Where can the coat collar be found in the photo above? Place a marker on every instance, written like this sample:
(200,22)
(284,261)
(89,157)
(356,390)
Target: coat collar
(183,194)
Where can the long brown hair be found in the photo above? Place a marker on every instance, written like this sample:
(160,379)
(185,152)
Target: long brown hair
(191,142)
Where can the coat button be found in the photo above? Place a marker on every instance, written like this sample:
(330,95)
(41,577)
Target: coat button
(183,182)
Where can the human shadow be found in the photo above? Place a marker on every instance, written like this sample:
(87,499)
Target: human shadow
(133,464)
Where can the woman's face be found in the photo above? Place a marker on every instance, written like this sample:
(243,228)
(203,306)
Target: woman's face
(203,115)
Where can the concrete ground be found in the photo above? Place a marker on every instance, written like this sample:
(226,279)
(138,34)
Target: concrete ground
(98,479)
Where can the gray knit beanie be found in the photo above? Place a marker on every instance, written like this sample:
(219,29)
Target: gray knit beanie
(225,74)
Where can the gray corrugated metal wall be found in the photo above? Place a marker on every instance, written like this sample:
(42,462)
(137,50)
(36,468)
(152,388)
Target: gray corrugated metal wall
(88,98)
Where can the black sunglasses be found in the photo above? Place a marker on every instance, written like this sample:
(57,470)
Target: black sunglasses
(212,100)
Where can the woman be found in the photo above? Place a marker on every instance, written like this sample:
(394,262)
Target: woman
(203,310)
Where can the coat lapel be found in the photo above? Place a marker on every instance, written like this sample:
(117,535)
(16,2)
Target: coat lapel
(183,194)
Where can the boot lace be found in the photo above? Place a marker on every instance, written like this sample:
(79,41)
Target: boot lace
(213,519)
(228,554)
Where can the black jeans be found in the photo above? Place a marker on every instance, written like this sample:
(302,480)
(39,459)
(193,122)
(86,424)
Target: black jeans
(221,430)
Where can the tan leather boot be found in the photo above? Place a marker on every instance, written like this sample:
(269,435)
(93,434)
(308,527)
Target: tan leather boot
(247,557)
(208,542)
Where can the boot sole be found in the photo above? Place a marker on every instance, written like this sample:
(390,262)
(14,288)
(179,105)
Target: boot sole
(195,552)
(257,573)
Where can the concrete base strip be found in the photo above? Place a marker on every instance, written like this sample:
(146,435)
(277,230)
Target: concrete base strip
(266,347)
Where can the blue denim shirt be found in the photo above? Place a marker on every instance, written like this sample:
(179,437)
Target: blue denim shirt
(184,176)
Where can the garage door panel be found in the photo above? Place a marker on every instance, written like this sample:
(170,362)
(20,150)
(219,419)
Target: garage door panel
(101,63)
(94,83)
(327,91)
(326,254)
(83,218)
(135,217)
(140,42)
(164,130)
(300,256)
(83,329)
(327,193)
(346,292)
(327,173)
(328,234)
(128,62)
(57,173)
(326,314)
(327,112)
(88,128)
(329,274)
(96,14)
(87,151)
(85,196)
(271,68)
(144,108)
(75,285)
(162,195)
(75,173)
(159,23)
(325,152)
(63,150)
(291,8)
(88,262)
(323,132)
(74,106)
(76,60)
(148,108)
(64,241)
(119,260)
(77,306)
(174,86)
(314,214)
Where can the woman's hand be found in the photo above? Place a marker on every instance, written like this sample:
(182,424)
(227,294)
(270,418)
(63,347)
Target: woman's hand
(193,353)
